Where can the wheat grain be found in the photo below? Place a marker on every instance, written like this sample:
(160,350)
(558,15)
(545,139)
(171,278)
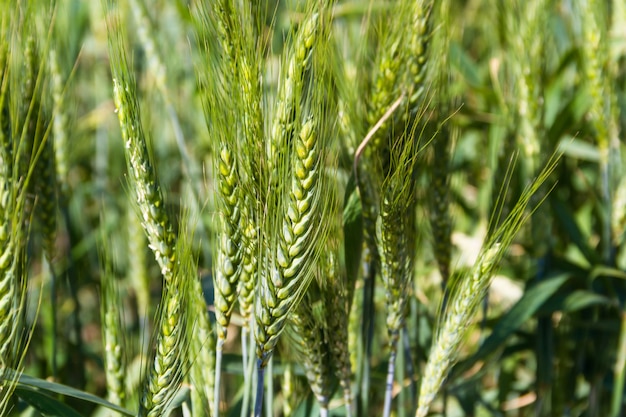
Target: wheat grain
(289,268)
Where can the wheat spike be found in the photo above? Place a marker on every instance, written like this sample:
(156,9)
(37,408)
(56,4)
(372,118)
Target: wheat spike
(467,293)
(175,321)
(112,331)
(309,326)
(202,370)
(148,194)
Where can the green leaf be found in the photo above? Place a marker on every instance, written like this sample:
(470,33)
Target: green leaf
(353,233)
(580,299)
(50,389)
(523,310)
(564,216)
(45,404)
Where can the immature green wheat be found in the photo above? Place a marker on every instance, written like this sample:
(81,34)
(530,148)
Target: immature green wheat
(309,325)
(149,197)
(467,293)
(174,329)
(296,208)
(112,337)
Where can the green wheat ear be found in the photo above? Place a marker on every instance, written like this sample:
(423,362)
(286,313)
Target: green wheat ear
(169,363)
(21,84)
(468,291)
(112,337)
(309,326)
(143,177)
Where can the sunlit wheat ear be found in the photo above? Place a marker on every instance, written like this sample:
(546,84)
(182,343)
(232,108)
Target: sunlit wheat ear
(285,121)
(229,239)
(294,226)
(169,359)
(112,331)
(288,267)
(227,267)
(467,292)
(143,177)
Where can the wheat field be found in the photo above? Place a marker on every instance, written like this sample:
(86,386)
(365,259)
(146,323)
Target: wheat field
(304,208)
